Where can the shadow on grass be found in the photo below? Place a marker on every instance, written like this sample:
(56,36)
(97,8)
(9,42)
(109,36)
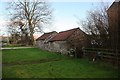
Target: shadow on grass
(29,62)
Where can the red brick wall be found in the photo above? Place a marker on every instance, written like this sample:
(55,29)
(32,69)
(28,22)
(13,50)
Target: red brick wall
(114,25)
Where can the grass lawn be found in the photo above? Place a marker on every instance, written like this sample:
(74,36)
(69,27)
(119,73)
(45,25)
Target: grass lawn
(64,67)
(31,54)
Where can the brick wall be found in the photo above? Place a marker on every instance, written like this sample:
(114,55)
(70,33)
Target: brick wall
(114,24)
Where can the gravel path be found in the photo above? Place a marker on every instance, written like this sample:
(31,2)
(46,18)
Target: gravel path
(16,48)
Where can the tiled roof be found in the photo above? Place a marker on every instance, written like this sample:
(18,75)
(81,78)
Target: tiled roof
(61,36)
(45,35)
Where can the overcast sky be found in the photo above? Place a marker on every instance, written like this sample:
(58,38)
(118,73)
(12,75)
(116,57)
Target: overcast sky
(65,13)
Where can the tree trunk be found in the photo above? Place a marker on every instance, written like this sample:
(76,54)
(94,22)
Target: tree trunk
(31,33)
(32,39)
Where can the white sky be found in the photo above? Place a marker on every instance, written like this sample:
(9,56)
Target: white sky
(66,0)
(65,13)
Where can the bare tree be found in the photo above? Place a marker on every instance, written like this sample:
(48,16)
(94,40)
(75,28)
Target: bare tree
(19,32)
(33,13)
(96,25)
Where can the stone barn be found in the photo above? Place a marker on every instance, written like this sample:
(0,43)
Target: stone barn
(70,39)
(64,41)
(42,41)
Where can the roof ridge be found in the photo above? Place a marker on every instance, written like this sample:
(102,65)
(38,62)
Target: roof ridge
(49,32)
(69,30)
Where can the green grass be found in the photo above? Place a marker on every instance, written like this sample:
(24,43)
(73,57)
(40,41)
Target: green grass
(19,55)
(64,68)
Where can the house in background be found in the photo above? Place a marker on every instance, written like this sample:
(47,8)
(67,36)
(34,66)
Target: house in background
(4,40)
(63,41)
(114,24)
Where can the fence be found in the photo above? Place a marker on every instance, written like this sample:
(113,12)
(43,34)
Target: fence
(109,55)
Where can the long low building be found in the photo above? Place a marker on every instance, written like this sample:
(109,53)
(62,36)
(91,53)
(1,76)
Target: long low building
(63,41)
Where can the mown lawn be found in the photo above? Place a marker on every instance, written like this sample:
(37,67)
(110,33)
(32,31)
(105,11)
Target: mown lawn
(64,67)
(31,54)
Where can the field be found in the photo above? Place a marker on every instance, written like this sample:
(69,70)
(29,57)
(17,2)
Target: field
(36,63)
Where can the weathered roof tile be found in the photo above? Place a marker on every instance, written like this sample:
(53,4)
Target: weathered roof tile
(45,35)
(61,36)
